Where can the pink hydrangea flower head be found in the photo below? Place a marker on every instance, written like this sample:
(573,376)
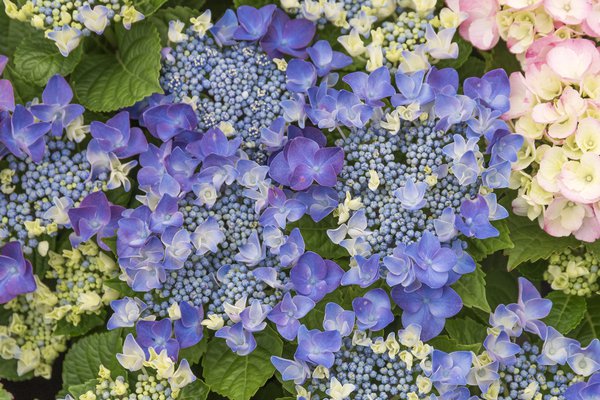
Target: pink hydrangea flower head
(479,26)
(573,59)
(571,12)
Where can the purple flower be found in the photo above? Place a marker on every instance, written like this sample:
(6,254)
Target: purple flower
(325,59)
(584,361)
(506,320)
(412,195)
(466,169)
(444,225)
(7,95)
(287,313)
(302,161)
(483,375)
(274,137)
(169,120)
(287,36)
(118,137)
(301,75)
(501,349)
(16,273)
(323,107)
(133,226)
(427,307)
(401,270)
(531,308)
(153,177)
(3,63)
(443,81)
(351,111)
(371,88)
(253,317)
(450,370)
(497,175)
(505,146)
(214,145)
(252,252)
(127,312)
(412,90)
(293,248)
(474,219)
(188,329)
(224,29)
(157,334)
(178,247)
(207,236)
(364,273)
(239,340)
(22,136)
(56,108)
(281,209)
(94,216)
(492,90)
(373,311)
(452,109)
(319,201)
(556,348)
(144,265)
(253,22)
(318,347)
(589,390)
(165,215)
(314,277)
(432,261)
(338,319)
(290,370)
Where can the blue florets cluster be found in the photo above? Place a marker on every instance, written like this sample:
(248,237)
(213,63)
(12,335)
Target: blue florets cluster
(552,381)
(375,376)
(236,84)
(63,172)
(414,153)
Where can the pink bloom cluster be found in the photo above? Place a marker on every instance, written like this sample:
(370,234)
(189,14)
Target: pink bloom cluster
(522,22)
(555,105)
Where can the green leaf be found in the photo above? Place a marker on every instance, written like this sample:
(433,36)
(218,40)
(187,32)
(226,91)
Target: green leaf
(253,3)
(471,288)
(465,331)
(87,323)
(236,377)
(197,390)
(148,7)
(567,311)
(161,19)
(38,59)
(24,91)
(501,285)
(447,344)
(594,248)
(501,57)
(316,239)
(82,388)
(111,81)
(194,354)
(464,51)
(314,319)
(480,249)
(83,361)
(4,395)
(12,33)
(472,67)
(589,328)
(111,242)
(8,371)
(117,284)
(531,243)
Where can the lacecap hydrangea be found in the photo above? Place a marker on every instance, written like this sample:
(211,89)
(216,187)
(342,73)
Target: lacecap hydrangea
(522,358)
(209,244)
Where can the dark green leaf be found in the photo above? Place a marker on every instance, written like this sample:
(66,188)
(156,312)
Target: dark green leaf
(8,371)
(194,354)
(111,81)
(444,343)
(316,239)
(589,328)
(567,311)
(465,331)
(501,57)
(148,7)
(471,288)
(87,323)
(480,249)
(83,360)
(38,59)
(501,285)
(236,377)
(253,3)
(531,243)
(198,390)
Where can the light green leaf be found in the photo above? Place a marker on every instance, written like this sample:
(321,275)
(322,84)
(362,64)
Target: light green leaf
(111,81)
(38,59)
(83,361)
(531,243)
(447,344)
(316,239)
(4,395)
(236,377)
(471,288)
(480,249)
(87,323)
(82,388)
(589,328)
(465,331)
(567,311)
(198,390)
(148,7)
